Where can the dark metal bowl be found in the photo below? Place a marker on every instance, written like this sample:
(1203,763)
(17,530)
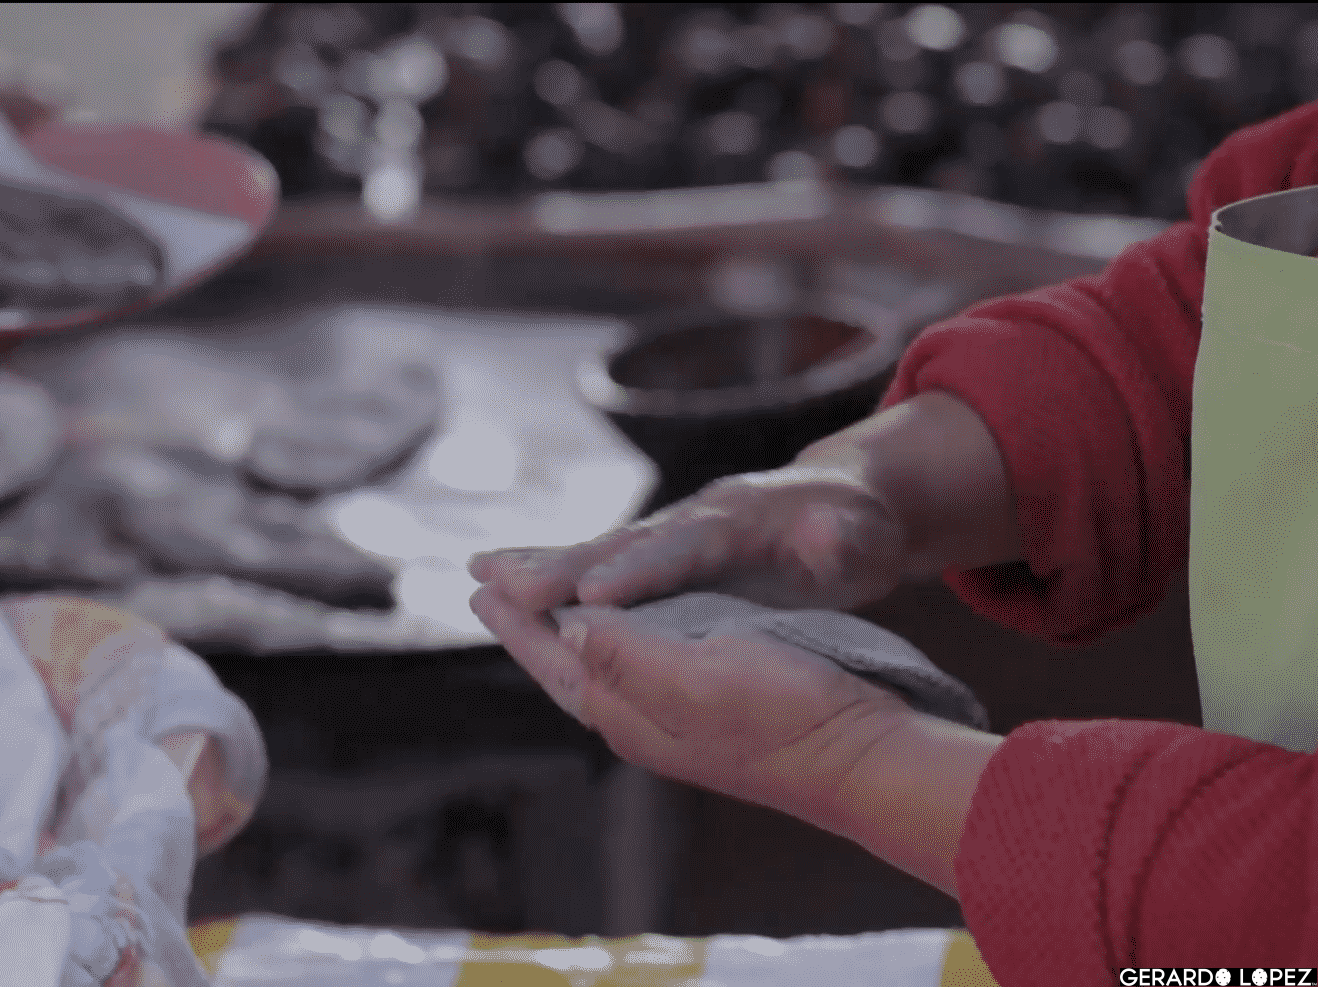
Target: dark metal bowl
(707,395)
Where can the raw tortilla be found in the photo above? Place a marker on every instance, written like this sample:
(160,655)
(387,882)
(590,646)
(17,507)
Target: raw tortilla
(29,434)
(112,515)
(343,433)
(186,512)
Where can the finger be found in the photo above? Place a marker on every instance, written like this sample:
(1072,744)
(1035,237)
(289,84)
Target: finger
(535,645)
(686,551)
(652,671)
(616,647)
(541,579)
(481,565)
(535,579)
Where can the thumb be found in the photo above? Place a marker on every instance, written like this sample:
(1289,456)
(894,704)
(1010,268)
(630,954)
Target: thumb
(603,638)
(634,668)
(823,534)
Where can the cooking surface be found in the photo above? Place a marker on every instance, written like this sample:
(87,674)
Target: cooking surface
(514,458)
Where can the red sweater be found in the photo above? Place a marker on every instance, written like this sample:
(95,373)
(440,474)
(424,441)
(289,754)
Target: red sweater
(1094,846)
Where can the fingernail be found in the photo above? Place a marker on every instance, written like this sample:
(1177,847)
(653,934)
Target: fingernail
(574,635)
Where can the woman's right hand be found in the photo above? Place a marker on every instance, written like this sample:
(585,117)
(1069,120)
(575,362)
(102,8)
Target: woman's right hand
(806,535)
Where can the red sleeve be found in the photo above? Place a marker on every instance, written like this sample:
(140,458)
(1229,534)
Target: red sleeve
(1086,386)
(1100,845)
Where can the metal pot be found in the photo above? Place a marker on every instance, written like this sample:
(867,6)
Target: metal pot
(706,395)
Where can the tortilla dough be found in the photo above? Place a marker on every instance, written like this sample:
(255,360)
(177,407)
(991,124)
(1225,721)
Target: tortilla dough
(30,435)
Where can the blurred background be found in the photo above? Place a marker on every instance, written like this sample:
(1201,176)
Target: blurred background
(1080,107)
(763,203)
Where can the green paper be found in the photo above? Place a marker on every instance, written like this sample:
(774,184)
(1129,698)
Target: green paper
(1254,476)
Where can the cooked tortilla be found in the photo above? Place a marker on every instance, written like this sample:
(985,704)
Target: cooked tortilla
(65,252)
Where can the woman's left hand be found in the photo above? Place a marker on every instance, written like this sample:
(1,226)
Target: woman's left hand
(745,715)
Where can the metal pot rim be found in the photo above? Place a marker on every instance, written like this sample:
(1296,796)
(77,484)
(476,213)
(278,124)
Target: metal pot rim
(829,378)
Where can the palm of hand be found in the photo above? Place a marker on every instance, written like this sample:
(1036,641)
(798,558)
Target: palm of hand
(742,714)
(746,715)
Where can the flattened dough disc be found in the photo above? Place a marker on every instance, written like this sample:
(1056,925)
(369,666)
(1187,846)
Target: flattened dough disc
(30,434)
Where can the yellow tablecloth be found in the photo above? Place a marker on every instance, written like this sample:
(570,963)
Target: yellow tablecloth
(270,950)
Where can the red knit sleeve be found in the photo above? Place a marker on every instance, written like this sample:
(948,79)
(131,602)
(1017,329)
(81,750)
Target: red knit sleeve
(1094,846)
(1086,387)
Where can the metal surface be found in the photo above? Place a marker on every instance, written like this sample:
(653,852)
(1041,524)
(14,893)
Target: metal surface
(516,459)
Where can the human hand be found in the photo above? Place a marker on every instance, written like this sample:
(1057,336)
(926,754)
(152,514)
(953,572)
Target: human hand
(743,714)
(806,535)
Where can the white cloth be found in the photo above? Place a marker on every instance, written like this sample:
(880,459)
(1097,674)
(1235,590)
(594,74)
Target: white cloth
(118,807)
